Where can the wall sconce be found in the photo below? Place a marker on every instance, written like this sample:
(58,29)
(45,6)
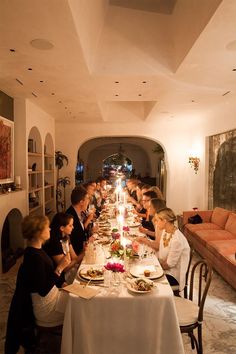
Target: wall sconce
(194,162)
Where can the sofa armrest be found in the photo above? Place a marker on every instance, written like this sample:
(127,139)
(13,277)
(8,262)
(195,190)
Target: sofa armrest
(205,215)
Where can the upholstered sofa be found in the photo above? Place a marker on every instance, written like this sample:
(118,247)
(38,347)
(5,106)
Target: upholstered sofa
(214,239)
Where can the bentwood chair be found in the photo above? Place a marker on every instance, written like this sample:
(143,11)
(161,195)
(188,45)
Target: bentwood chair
(175,288)
(190,314)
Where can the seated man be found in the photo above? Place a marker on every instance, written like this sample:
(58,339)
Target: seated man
(79,204)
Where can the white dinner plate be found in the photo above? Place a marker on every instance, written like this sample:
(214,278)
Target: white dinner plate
(138,271)
(130,286)
(83,273)
(133,223)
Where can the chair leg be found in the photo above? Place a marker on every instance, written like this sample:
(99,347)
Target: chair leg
(200,350)
(190,334)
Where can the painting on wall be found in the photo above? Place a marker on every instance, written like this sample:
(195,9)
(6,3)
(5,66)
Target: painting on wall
(222,170)
(6,151)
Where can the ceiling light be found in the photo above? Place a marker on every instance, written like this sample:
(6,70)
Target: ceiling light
(12,50)
(30,69)
(226,93)
(52,93)
(234,69)
(139,94)
(41,44)
(116,82)
(144,82)
(116,95)
(41,81)
(19,82)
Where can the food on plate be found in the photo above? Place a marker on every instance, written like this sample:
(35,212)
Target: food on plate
(142,285)
(147,273)
(94,273)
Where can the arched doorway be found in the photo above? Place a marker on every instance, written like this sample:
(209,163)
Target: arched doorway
(148,162)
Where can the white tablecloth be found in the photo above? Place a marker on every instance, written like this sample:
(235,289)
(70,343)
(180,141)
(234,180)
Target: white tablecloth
(123,324)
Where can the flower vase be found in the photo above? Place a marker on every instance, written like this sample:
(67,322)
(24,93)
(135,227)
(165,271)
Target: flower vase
(115,279)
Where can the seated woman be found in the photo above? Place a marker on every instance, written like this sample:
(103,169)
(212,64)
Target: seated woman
(147,225)
(174,250)
(39,273)
(59,245)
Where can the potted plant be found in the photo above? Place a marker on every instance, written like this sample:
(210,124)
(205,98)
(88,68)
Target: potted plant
(60,161)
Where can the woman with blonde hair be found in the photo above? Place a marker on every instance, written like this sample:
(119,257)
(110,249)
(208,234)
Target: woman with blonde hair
(174,250)
(39,273)
(173,247)
(157,191)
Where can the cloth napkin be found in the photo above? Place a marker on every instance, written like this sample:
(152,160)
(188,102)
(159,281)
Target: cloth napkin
(83,291)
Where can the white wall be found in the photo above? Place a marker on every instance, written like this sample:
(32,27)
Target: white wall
(178,136)
(26,116)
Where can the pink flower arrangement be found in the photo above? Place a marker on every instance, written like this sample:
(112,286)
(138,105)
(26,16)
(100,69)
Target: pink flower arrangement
(126,228)
(115,267)
(115,235)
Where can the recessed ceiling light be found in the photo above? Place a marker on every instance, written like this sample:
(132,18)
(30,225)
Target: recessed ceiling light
(30,69)
(116,95)
(20,82)
(52,93)
(144,82)
(234,69)
(116,82)
(139,94)
(12,50)
(41,81)
(42,44)
(226,93)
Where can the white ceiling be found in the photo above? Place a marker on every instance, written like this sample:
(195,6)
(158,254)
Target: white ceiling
(117,60)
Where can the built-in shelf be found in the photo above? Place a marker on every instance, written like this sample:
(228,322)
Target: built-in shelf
(41,173)
(31,210)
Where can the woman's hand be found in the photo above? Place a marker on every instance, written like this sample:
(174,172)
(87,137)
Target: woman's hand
(142,229)
(141,240)
(164,265)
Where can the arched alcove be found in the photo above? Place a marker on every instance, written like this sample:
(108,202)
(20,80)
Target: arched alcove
(12,243)
(148,159)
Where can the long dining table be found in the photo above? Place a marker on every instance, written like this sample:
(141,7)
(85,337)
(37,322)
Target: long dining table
(120,321)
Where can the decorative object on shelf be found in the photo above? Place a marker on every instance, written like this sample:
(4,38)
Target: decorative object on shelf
(17,182)
(194,162)
(60,161)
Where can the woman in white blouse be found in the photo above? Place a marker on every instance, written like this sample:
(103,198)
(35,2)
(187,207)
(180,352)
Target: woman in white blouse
(174,250)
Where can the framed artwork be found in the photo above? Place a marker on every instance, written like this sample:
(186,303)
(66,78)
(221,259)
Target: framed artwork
(222,170)
(6,151)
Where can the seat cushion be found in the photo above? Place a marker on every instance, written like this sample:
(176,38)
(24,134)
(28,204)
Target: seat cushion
(204,236)
(187,311)
(231,224)
(220,246)
(204,226)
(220,216)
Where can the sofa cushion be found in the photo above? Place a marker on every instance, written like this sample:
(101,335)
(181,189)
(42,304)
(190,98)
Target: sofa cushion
(205,236)
(231,223)
(220,246)
(204,226)
(220,216)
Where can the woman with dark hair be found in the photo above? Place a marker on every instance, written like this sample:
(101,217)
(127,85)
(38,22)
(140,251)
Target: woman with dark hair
(59,245)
